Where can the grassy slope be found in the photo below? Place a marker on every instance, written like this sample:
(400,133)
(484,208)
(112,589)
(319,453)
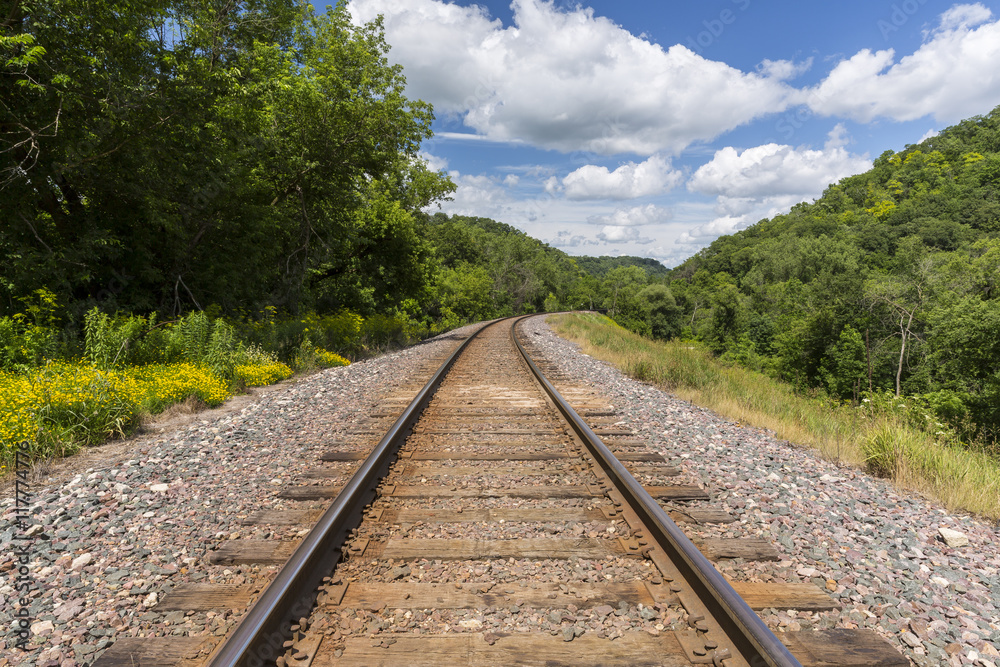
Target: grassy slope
(958,478)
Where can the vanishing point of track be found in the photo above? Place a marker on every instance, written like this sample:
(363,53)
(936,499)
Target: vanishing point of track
(490,467)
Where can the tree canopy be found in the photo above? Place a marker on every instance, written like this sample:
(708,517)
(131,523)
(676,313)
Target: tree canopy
(169,154)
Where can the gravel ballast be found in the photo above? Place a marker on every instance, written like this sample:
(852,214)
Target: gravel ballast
(113,540)
(104,547)
(875,548)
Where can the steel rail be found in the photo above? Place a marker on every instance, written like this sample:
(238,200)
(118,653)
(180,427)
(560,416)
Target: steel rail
(259,637)
(751,637)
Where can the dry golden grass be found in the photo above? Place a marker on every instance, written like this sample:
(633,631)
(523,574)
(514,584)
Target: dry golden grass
(958,478)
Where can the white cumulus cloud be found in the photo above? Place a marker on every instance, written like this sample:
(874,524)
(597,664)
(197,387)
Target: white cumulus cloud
(953,75)
(615,234)
(767,180)
(783,70)
(434,162)
(565,79)
(961,17)
(776,169)
(650,214)
(478,195)
(630,181)
(727,224)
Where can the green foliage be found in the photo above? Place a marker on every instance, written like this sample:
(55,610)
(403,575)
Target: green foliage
(886,448)
(600,266)
(487,269)
(662,312)
(309,358)
(465,291)
(878,434)
(249,155)
(24,345)
(120,341)
(844,368)
(891,274)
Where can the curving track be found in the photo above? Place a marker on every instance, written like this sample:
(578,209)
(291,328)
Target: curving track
(491,526)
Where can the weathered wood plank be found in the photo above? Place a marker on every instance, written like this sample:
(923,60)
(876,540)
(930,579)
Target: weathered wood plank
(742,547)
(666,471)
(488,412)
(155,651)
(701,515)
(497,400)
(677,492)
(526,455)
(205,597)
(476,596)
(335,455)
(636,649)
(262,552)
(480,431)
(461,471)
(457,549)
(805,597)
(842,648)
(492,515)
(323,473)
(310,492)
(282,517)
(649,457)
(536,492)
(466,422)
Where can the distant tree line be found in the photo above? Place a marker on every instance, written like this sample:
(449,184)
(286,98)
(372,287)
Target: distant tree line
(486,269)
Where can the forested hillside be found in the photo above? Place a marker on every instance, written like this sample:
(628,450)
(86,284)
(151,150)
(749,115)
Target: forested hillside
(600,266)
(889,281)
(487,269)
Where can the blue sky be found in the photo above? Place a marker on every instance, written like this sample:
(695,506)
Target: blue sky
(650,128)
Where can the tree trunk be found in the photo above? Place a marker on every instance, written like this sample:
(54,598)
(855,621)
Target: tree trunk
(904,333)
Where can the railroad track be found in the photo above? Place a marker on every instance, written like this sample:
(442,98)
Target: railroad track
(491,525)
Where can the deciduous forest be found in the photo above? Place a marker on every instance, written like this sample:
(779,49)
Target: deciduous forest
(888,282)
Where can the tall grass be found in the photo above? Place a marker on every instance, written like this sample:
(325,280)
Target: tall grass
(876,440)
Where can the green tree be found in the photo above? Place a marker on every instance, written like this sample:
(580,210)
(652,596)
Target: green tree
(466,291)
(206,152)
(901,300)
(662,313)
(621,285)
(845,367)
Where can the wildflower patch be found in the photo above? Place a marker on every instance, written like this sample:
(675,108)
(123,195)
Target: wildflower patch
(62,406)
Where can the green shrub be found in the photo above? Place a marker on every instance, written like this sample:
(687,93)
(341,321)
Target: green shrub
(24,346)
(884,449)
(381,332)
(120,341)
(309,358)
